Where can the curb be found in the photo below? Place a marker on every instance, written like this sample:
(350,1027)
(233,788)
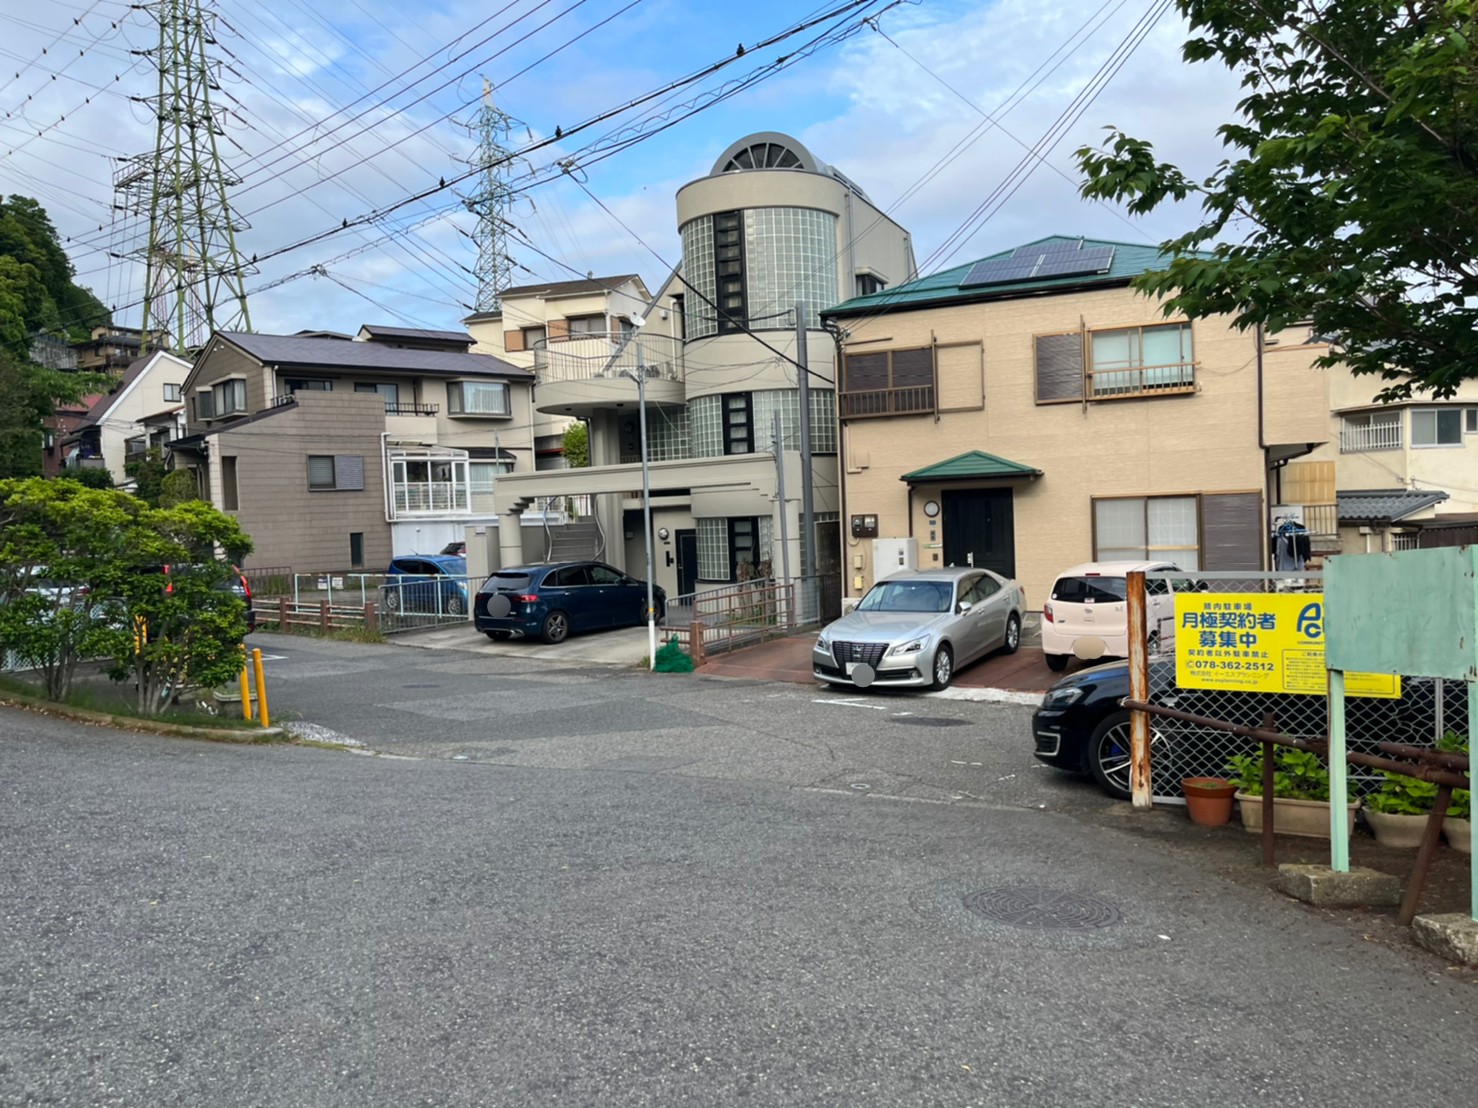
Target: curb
(238,736)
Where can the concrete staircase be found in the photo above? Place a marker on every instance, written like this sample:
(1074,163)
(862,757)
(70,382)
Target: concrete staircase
(574,542)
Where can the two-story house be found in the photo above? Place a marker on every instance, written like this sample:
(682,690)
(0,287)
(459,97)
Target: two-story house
(143,410)
(1030,411)
(583,319)
(719,352)
(339,453)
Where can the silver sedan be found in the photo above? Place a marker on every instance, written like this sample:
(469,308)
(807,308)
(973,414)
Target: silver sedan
(917,627)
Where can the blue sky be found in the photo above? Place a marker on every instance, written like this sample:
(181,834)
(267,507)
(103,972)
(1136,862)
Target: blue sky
(899,105)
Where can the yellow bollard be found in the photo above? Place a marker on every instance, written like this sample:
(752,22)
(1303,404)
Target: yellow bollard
(246,687)
(256,663)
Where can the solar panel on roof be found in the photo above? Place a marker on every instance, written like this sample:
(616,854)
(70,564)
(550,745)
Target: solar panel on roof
(1039,263)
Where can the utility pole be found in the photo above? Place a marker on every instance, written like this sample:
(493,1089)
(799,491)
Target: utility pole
(809,585)
(194,279)
(490,203)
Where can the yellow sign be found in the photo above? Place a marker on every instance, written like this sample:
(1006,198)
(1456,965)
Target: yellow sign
(1260,642)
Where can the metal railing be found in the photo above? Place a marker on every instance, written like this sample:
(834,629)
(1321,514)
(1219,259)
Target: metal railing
(1141,381)
(730,616)
(911,400)
(1359,438)
(432,496)
(396,407)
(394,603)
(606,354)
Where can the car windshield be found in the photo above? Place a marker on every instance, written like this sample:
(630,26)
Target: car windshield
(908,596)
(1079,590)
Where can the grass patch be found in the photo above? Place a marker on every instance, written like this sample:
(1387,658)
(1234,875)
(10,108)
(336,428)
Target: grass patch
(116,700)
(339,634)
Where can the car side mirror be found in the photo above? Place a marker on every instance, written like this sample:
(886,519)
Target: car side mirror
(965,606)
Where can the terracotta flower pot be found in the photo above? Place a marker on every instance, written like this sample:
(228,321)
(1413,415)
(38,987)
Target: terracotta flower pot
(1208,800)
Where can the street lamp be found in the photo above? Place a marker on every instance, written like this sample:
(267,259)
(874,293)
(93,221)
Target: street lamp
(640,377)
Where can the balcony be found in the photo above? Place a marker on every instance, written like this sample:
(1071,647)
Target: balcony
(431,498)
(586,373)
(910,400)
(1361,436)
(1139,381)
(394,408)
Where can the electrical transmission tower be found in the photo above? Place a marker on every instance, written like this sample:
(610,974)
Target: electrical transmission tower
(491,202)
(193,275)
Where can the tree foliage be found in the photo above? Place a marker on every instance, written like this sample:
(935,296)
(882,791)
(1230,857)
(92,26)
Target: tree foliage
(35,268)
(29,395)
(577,446)
(177,487)
(1349,197)
(148,473)
(102,556)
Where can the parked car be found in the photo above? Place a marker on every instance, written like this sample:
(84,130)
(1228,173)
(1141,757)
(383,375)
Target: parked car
(1080,727)
(426,583)
(1087,611)
(557,600)
(917,627)
(459,549)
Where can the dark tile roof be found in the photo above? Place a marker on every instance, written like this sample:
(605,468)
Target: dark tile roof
(571,288)
(1129,261)
(1384,505)
(458,338)
(293,351)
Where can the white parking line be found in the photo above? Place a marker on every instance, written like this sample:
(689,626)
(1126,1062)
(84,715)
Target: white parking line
(854,703)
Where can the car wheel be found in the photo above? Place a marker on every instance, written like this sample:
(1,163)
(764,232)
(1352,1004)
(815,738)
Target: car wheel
(1056,662)
(392,600)
(944,666)
(455,605)
(556,627)
(499,636)
(1108,755)
(1013,635)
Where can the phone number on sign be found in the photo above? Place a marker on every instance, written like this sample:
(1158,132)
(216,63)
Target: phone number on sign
(1244,667)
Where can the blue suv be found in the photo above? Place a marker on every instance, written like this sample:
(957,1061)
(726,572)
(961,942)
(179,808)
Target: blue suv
(553,601)
(426,583)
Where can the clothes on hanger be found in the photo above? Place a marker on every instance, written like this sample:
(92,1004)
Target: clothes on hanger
(1291,548)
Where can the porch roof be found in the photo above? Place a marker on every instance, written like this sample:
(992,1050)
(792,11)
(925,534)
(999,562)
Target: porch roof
(1384,505)
(973,465)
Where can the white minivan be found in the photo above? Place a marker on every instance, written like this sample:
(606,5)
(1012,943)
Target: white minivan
(1086,614)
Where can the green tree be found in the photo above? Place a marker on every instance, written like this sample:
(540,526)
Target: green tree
(177,487)
(577,446)
(1349,198)
(92,478)
(148,473)
(29,395)
(53,301)
(82,575)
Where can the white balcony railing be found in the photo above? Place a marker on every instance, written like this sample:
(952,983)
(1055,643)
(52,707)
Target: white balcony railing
(591,356)
(431,497)
(1361,437)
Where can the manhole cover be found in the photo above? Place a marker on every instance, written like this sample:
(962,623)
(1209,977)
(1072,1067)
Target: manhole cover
(1042,909)
(931,721)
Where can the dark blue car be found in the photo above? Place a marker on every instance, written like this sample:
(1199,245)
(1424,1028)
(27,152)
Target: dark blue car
(553,601)
(426,583)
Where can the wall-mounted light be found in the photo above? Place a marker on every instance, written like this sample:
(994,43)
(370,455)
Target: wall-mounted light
(662,533)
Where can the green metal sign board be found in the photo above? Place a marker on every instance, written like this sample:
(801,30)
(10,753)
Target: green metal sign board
(1413,612)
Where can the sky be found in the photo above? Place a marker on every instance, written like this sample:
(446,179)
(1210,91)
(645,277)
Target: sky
(356,112)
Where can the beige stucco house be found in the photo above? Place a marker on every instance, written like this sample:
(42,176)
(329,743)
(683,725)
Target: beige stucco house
(144,409)
(1031,411)
(336,453)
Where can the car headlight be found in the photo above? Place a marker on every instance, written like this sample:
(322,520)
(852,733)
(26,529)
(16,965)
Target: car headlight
(1061,698)
(912,646)
(823,644)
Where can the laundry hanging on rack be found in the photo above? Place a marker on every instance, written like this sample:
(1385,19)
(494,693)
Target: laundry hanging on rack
(1291,549)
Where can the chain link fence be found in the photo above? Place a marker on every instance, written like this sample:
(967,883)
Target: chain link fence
(1425,709)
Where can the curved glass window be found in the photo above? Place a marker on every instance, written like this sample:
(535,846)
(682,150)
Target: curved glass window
(764,155)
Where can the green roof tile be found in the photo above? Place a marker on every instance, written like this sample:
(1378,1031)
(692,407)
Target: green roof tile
(970,465)
(1130,260)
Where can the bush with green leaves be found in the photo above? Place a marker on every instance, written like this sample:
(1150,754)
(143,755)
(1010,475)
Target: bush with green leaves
(102,553)
(1297,774)
(1400,795)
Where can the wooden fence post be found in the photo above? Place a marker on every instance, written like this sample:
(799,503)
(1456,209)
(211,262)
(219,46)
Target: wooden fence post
(325,624)
(371,617)
(1139,688)
(695,642)
(282,614)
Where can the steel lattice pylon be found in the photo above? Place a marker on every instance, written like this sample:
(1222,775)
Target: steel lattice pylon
(490,203)
(194,281)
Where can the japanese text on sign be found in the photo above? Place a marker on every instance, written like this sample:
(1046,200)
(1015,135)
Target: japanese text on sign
(1264,642)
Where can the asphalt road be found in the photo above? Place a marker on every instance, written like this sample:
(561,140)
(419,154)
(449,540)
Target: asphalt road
(644,890)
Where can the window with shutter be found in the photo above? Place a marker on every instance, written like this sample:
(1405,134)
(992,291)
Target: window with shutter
(320,471)
(1059,367)
(349,472)
(1232,531)
(893,382)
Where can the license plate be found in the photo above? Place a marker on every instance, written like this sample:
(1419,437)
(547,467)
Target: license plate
(851,667)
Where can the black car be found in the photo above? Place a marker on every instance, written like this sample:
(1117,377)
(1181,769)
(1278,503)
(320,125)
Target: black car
(553,601)
(1081,728)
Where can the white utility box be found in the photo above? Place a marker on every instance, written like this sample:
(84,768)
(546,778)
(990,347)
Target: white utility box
(891,555)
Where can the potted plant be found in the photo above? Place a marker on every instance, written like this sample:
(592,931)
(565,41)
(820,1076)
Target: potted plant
(1398,811)
(1457,826)
(1300,792)
(1208,800)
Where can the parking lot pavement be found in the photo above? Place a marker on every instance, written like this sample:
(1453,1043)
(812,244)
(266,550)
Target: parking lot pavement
(626,646)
